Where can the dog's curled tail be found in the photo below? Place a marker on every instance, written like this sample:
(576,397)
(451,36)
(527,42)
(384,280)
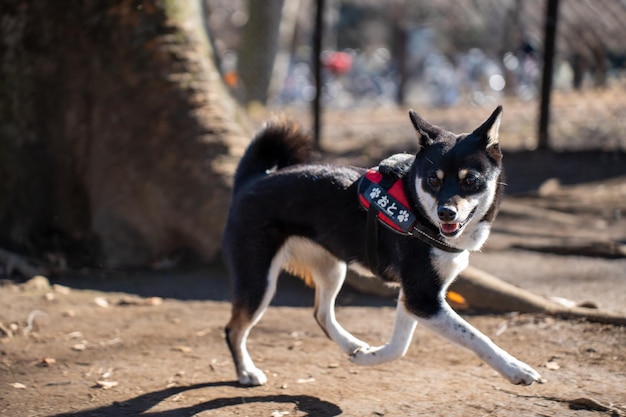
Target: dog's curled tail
(279,144)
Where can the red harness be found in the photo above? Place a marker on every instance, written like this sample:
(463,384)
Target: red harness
(385,200)
(390,200)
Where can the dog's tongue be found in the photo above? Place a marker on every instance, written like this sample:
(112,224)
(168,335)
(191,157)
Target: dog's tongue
(449,227)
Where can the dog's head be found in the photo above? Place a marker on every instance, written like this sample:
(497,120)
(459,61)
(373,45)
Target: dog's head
(458,179)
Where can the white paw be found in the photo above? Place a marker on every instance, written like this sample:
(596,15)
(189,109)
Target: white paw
(365,355)
(252,377)
(354,346)
(522,374)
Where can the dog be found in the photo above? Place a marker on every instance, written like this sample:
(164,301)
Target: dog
(412,221)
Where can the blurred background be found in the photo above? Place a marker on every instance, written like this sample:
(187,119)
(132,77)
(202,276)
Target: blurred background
(435,56)
(123,121)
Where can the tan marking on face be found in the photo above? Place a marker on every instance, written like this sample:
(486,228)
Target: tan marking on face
(440,174)
(464,207)
(463,173)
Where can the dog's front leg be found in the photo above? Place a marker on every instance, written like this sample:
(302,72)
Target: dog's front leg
(449,324)
(403,329)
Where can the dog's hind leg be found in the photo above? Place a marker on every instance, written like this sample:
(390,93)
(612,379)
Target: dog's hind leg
(237,331)
(312,262)
(329,275)
(249,305)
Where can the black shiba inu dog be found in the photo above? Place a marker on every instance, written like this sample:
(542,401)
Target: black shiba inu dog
(317,220)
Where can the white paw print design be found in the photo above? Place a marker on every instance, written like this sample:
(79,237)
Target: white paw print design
(375,193)
(403,216)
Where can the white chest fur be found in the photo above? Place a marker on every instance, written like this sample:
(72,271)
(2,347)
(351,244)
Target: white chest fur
(448,265)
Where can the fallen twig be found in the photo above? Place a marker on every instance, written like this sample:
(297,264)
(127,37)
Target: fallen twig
(31,320)
(6,331)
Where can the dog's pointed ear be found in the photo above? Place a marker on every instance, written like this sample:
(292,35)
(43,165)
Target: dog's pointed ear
(488,134)
(426,132)
(488,131)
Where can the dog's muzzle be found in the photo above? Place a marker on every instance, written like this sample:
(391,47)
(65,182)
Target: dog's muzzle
(448,226)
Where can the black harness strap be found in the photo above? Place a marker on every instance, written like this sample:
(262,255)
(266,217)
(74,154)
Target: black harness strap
(427,236)
(372,238)
(372,227)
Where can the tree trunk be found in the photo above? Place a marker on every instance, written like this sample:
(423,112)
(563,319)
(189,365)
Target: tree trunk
(258,49)
(114,128)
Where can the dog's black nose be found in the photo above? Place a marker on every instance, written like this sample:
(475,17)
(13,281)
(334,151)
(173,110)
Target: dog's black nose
(446,214)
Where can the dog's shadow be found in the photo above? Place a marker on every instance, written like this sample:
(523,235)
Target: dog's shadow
(312,406)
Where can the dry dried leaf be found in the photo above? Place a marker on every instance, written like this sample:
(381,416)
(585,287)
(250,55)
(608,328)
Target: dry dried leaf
(502,328)
(101,302)
(74,335)
(201,333)
(61,289)
(111,342)
(106,384)
(79,347)
(150,301)
(154,301)
(48,361)
(305,380)
(129,301)
(183,349)
(5,331)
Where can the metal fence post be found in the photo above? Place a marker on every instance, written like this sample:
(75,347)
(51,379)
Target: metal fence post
(317,71)
(552,12)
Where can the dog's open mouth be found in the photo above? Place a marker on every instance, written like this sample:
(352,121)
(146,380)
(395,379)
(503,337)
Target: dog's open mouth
(453,229)
(450,229)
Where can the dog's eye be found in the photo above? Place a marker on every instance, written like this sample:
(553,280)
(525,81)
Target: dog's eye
(470,181)
(434,182)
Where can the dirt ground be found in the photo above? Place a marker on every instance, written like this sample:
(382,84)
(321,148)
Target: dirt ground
(151,343)
(136,357)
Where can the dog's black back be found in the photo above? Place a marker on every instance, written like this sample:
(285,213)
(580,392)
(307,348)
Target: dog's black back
(278,194)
